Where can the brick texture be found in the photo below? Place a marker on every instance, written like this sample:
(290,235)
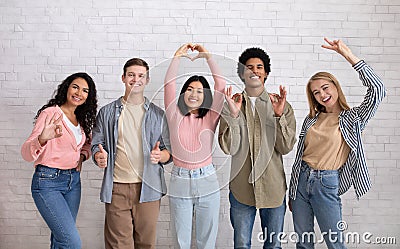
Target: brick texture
(43,41)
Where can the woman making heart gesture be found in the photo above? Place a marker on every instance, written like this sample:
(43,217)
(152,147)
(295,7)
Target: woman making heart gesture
(192,120)
(58,144)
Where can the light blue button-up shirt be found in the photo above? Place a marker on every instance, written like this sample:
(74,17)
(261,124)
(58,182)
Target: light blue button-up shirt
(154,128)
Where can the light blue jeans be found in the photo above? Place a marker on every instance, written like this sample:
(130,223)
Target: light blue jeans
(194,193)
(57,195)
(242,220)
(317,195)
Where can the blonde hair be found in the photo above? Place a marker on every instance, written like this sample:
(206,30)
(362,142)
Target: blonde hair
(316,107)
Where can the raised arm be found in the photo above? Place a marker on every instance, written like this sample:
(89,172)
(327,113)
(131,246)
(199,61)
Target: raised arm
(170,77)
(219,81)
(376,90)
(339,47)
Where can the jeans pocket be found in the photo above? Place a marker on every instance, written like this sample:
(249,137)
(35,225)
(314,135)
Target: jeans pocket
(43,172)
(330,181)
(47,178)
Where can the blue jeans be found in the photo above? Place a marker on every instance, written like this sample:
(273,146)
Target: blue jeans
(57,195)
(242,220)
(194,193)
(317,195)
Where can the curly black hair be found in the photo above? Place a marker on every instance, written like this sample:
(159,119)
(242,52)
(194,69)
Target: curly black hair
(207,101)
(253,53)
(85,113)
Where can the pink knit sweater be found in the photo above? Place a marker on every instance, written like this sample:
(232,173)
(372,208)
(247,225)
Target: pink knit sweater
(60,153)
(192,138)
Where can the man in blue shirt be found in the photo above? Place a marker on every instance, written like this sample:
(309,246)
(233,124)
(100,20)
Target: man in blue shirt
(133,181)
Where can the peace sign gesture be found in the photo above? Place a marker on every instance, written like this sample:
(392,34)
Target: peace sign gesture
(341,48)
(52,129)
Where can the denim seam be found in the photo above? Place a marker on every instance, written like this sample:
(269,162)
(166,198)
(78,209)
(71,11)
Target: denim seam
(59,225)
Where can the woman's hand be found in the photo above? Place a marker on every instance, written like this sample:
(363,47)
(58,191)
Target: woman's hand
(52,129)
(341,48)
(203,53)
(183,50)
(79,166)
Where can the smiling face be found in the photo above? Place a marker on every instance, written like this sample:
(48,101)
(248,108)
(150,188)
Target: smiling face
(135,79)
(254,74)
(78,92)
(326,94)
(194,96)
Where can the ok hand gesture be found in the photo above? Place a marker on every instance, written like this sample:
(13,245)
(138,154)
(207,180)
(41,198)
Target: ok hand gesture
(234,102)
(52,129)
(278,101)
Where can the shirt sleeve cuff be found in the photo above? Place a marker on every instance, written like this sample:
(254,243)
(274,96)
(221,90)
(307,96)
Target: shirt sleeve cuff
(359,65)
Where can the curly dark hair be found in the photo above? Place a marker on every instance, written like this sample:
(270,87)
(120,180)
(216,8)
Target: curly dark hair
(85,113)
(253,53)
(207,101)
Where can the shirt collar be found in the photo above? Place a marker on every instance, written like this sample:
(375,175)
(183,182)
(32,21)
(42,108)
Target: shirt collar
(263,96)
(146,104)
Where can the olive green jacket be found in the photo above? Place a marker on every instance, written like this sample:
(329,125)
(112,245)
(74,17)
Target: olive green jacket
(256,144)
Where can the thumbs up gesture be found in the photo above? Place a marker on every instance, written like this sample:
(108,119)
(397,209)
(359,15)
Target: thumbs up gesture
(155,155)
(101,157)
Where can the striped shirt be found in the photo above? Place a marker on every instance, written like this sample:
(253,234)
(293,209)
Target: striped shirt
(351,122)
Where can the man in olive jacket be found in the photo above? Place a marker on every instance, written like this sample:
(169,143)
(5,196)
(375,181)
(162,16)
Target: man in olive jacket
(256,129)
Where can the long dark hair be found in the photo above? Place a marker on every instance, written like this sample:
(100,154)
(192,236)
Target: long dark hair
(207,100)
(85,113)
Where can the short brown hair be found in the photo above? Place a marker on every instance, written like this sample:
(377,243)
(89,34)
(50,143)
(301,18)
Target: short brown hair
(137,62)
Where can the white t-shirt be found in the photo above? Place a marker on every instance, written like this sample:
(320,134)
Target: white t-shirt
(76,130)
(253,103)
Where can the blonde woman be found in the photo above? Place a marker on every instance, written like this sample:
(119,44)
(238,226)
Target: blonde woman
(330,155)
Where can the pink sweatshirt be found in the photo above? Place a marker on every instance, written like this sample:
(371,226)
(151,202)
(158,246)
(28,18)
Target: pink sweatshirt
(192,138)
(60,153)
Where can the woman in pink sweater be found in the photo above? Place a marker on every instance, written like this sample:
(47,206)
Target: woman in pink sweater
(192,120)
(58,144)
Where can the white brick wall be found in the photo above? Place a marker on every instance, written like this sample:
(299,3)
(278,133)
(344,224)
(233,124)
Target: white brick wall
(43,41)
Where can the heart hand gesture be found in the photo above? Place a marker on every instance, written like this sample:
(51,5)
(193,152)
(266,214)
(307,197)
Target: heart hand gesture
(203,53)
(183,51)
(52,129)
